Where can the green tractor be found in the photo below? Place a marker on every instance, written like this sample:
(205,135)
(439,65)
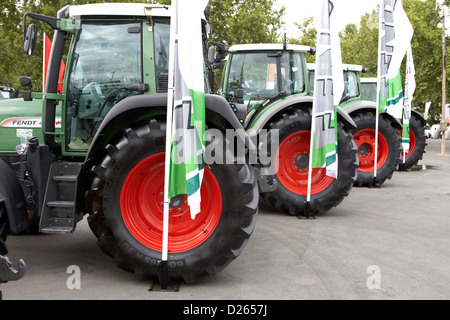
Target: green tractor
(267,87)
(364,114)
(417,125)
(97,148)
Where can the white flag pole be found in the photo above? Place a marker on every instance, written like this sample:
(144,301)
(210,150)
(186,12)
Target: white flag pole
(321,48)
(313,124)
(170,104)
(311,151)
(43,66)
(377,112)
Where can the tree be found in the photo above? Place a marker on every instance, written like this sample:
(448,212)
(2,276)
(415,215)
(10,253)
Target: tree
(308,38)
(245,21)
(359,44)
(427,52)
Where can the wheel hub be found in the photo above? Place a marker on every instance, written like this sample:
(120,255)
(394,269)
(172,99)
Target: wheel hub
(177,201)
(362,150)
(365,141)
(292,161)
(302,161)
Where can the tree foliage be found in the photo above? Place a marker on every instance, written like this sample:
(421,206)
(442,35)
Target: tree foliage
(245,21)
(308,37)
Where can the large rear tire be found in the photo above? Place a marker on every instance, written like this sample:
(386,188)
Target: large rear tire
(417,143)
(3,226)
(293,158)
(389,149)
(127,195)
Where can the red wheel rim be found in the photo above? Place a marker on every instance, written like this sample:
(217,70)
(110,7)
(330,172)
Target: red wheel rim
(141,204)
(292,161)
(412,142)
(365,141)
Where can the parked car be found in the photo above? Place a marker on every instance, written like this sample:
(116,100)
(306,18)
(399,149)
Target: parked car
(428,131)
(435,131)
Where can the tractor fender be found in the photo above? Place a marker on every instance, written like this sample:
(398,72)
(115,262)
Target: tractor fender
(16,206)
(138,105)
(269,113)
(420,117)
(369,105)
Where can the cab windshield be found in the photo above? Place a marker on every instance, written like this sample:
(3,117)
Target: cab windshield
(256,74)
(351,88)
(369,91)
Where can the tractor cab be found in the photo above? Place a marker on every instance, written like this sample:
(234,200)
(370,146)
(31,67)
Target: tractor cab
(351,82)
(256,74)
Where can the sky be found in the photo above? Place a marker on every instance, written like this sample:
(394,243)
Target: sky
(347,11)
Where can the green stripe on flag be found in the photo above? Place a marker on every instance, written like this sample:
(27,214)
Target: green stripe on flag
(321,156)
(395,93)
(331,159)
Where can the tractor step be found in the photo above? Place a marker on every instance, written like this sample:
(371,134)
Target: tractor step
(59,226)
(58,213)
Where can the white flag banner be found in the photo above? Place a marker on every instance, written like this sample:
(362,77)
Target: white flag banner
(185,113)
(427,110)
(395,38)
(328,90)
(188,127)
(410,88)
(395,34)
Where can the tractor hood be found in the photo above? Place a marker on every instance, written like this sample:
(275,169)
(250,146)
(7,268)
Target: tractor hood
(20,120)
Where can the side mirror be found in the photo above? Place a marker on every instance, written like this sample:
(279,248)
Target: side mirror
(211,53)
(30,39)
(26,82)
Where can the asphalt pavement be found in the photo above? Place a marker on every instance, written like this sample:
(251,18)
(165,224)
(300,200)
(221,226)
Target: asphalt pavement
(379,244)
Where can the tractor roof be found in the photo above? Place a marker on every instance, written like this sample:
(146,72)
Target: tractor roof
(352,67)
(267,47)
(345,67)
(369,80)
(118,9)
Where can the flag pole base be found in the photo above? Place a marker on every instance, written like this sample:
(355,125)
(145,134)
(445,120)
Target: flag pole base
(375,183)
(164,275)
(307,212)
(163,285)
(170,287)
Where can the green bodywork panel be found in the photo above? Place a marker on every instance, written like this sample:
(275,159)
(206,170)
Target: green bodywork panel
(19,118)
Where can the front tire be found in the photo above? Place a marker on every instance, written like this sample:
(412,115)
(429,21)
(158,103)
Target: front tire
(3,226)
(417,143)
(293,158)
(389,149)
(127,196)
